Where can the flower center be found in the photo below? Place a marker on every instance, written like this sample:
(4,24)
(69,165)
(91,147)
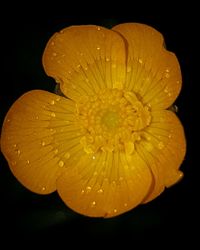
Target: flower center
(112,121)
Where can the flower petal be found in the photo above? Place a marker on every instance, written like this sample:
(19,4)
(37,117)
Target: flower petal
(163,148)
(85,59)
(39,135)
(152,71)
(105,185)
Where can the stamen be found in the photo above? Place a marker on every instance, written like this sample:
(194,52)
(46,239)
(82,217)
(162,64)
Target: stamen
(112,121)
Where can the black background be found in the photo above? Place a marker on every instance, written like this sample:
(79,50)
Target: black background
(28,217)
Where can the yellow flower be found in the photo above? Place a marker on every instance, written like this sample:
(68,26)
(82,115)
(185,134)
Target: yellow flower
(110,143)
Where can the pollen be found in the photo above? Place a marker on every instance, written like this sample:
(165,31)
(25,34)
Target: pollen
(112,121)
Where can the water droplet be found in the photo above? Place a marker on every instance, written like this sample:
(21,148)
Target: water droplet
(55,151)
(28,162)
(161,145)
(43,188)
(8,120)
(14,145)
(167,70)
(88,189)
(100,191)
(128,69)
(166,90)
(57,99)
(167,75)
(18,152)
(78,66)
(53,114)
(98,48)
(170,136)
(82,191)
(121,178)
(52,43)
(98,28)
(93,157)
(140,61)
(43,143)
(115,210)
(67,155)
(107,59)
(61,164)
(52,102)
(54,54)
(93,203)
(95,173)
(125,204)
(13,163)
(36,117)
(86,68)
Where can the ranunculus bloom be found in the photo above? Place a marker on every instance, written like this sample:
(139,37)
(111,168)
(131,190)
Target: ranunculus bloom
(110,143)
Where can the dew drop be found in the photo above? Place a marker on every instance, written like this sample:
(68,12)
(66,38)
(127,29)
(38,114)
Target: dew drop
(14,145)
(18,152)
(93,203)
(8,120)
(93,157)
(100,191)
(53,114)
(13,163)
(67,155)
(55,151)
(52,102)
(36,117)
(61,164)
(43,143)
(167,75)
(57,99)
(88,189)
(115,210)
(125,204)
(107,59)
(140,61)
(98,28)
(28,162)
(82,191)
(54,54)
(43,188)
(52,43)
(161,145)
(98,48)
(95,173)
(128,69)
